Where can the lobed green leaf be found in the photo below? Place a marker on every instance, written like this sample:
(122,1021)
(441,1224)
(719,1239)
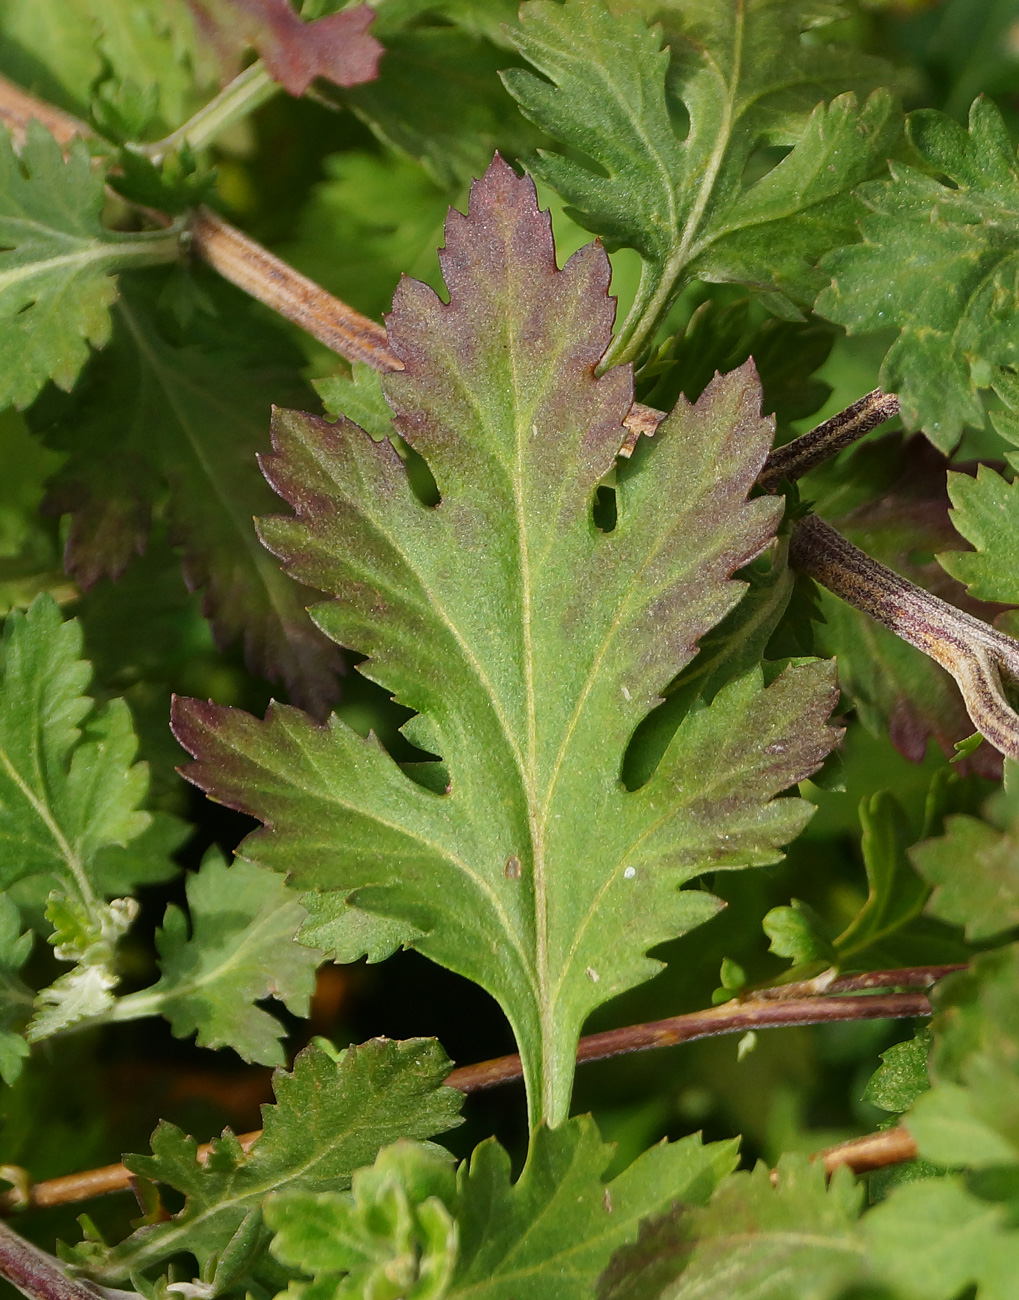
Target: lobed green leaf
(742,78)
(938,263)
(241,948)
(331,1116)
(529,642)
(57,263)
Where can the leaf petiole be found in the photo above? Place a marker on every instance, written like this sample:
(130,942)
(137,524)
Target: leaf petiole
(236,101)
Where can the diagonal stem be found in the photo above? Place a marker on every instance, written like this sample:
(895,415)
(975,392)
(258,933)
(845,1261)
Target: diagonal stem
(264,276)
(782,1006)
(805,453)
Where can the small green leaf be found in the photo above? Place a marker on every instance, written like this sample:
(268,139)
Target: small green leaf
(986,513)
(393,1237)
(902,1075)
(241,949)
(732,976)
(797,932)
(330,1118)
(86,933)
(938,263)
(69,786)
(57,263)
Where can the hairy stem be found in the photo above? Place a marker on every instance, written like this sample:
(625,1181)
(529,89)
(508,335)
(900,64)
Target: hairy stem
(791,1004)
(736,1017)
(827,439)
(977,655)
(18,108)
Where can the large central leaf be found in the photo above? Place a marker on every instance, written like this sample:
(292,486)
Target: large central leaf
(529,642)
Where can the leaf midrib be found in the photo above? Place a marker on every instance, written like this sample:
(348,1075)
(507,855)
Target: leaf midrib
(70,857)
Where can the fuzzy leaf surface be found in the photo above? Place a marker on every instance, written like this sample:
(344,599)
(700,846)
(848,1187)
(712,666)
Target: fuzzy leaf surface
(939,263)
(529,642)
(330,1118)
(560,1219)
(902,1075)
(796,1241)
(57,263)
(745,78)
(241,948)
(167,411)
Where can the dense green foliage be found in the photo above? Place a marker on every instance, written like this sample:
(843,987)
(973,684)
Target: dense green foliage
(545,734)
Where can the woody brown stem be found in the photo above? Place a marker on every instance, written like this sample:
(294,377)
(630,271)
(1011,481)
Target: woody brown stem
(892,1146)
(18,108)
(736,1017)
(269,279)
